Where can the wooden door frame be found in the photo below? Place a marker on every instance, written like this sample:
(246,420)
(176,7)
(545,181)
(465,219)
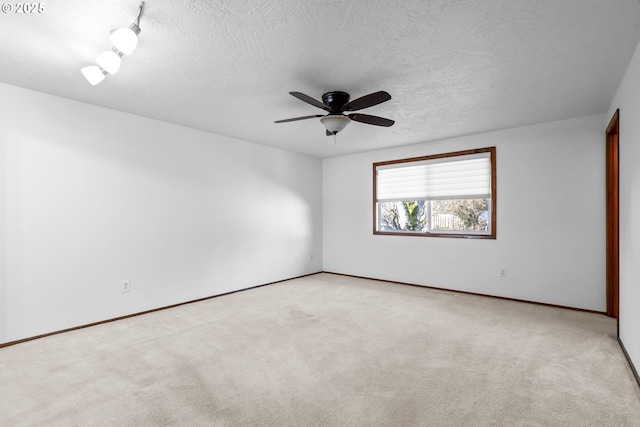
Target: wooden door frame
(612,172)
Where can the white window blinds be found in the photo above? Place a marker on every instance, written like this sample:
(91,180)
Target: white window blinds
(459,177)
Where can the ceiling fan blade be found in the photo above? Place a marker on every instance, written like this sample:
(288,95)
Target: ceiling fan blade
(367,101)
(299,118)
(371,120)
(309,100)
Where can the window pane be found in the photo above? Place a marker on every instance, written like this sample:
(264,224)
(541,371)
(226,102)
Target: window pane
(440,195)
(408,216)
(460,215)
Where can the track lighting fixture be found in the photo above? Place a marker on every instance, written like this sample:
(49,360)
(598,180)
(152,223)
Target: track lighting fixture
(124,42)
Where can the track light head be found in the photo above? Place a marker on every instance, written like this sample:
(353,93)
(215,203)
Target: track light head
(125,39)
(94,74)
(110,61)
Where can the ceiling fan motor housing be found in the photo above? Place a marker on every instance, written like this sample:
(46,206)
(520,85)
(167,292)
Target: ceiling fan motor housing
(335,101)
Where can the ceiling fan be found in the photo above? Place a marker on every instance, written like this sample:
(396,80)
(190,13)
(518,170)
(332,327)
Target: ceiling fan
(336,103)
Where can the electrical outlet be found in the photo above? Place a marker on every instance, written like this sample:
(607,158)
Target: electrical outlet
(126,286)
(503,272)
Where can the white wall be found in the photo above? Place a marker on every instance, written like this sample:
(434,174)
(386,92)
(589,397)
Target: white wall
(550,219)
(627,99)
(93,197)
(3,239)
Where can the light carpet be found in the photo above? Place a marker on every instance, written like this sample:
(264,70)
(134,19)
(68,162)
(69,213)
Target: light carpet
(327,350)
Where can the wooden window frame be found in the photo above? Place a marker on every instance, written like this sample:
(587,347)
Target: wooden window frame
(493,200)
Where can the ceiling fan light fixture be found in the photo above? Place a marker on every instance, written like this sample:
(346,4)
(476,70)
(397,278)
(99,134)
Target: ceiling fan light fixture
(94,74)
(335,122)
(110,61)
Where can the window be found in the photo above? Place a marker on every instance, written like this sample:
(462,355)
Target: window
(444,195)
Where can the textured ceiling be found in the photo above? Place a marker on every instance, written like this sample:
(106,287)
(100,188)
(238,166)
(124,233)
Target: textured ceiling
(452,67)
